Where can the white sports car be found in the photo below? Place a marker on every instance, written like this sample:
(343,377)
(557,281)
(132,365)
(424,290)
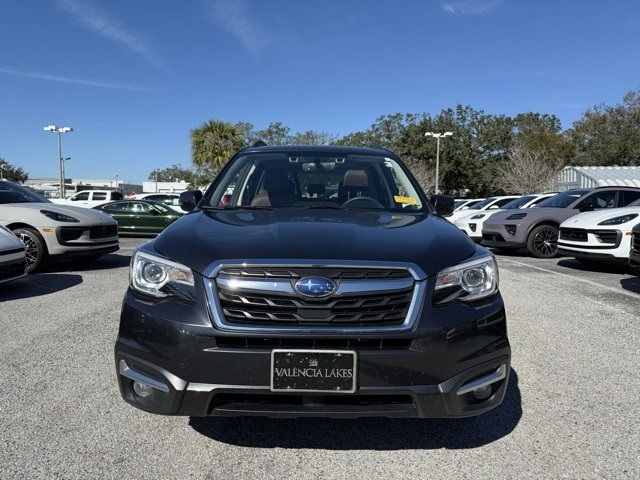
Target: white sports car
(491,203)
(51,231)
(12,256)
(471,223)
(603,235)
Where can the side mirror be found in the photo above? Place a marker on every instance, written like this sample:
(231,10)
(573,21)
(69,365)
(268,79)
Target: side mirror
(443,204)
(190,199)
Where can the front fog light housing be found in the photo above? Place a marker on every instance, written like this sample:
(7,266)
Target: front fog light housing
(142,389)
(158,276)
(467,281)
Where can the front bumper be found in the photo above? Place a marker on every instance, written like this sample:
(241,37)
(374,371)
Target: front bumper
(592,249)
(12,265)
(634,260)
(83,243)
(473,229)
(508,235)
(202,371)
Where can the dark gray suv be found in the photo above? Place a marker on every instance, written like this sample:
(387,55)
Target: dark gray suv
(536,229)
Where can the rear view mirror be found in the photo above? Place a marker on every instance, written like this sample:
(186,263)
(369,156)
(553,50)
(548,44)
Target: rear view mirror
(190,199)
(443,204)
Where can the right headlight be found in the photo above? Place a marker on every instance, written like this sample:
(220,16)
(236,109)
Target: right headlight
(467,281)
(160,277)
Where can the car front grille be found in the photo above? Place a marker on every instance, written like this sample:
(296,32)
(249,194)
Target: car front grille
(573,234)
(606,236)
(103,231)
(635,242)
(68,234)
(257,343)
(366,299)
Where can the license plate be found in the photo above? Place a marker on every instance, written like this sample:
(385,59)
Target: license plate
(328,371)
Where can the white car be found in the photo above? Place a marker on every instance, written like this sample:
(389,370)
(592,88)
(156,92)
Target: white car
(472,222)
(171,200)
(90,198)
(12,256)
(491,203)
(600,236)
(465,203)
(51,231)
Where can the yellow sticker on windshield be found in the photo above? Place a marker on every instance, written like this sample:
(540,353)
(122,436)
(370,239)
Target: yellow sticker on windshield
(405,200)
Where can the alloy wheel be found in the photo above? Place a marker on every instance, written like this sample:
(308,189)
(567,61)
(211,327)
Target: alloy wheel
(546,242)
(32,252)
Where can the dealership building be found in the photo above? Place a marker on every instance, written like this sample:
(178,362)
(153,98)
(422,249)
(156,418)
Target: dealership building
(592,177)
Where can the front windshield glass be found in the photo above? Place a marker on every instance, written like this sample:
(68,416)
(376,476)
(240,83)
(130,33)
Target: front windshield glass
(482,204)
(518,202)
(12,193)
(564,199)
(312,180)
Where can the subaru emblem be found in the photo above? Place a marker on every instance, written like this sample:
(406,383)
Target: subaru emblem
(315,286)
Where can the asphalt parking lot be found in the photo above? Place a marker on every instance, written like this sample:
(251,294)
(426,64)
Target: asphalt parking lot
(571,409)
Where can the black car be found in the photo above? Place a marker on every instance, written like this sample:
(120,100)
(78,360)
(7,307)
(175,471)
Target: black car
(634,256)
(325,284)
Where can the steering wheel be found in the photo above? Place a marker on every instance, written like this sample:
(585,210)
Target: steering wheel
(362,202)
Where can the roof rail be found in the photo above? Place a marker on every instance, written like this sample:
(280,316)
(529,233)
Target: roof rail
(260,143)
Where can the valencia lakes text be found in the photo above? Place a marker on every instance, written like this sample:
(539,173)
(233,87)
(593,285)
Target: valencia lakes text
(315,372)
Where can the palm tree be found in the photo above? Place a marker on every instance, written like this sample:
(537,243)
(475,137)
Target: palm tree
(214,142)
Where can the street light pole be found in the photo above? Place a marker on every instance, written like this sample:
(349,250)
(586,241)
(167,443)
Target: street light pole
(60,131)
(438,136)
(1,171)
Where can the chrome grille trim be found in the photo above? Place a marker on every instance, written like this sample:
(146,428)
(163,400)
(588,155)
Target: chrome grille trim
(275,285)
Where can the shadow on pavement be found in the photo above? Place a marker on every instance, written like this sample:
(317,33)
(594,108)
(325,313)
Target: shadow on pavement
(604,267)
(631,284)
(368,433)
(37,285)
(106,262)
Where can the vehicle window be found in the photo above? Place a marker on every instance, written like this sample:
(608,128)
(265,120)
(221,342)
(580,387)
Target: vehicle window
(159,207)
(99,196)
(166,199)
(482,204)
(138,207)
(81,196)
(471,204)
(12,193)
(116,196)
(538,200)
(518,202)
(630,196)
(116,207)
(458,203)
(598,200)
(501,202)
(564,199)
(287,180)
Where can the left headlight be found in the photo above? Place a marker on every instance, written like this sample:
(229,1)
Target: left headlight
(467,281)
(59,217)
(475,217)
(619,220)
(160,277)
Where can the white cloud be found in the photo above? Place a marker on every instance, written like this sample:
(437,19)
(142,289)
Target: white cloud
(94,18)
(470,7)
(234,17)
(78,81)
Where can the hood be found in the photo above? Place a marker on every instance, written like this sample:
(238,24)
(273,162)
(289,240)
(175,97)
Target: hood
(533,214)
(593,218)
(8,241)
(16,211)
(200,238)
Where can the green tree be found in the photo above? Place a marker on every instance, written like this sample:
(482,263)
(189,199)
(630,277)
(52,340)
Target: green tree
(174,173)
(214,142)
(11,173)
(609,135)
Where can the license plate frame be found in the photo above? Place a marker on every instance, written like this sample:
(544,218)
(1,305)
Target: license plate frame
(354,365)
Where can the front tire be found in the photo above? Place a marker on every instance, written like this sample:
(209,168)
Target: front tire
(36,248)
(543,242)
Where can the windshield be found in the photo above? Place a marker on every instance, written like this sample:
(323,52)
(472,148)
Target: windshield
(311,180)
(518,202)
(459,203)
(12,193)
(634,204)
(564,199)
(482,204)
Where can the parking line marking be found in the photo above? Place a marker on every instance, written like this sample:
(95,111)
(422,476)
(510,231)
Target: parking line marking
(583,280)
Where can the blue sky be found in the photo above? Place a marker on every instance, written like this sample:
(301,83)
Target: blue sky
(133,77)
